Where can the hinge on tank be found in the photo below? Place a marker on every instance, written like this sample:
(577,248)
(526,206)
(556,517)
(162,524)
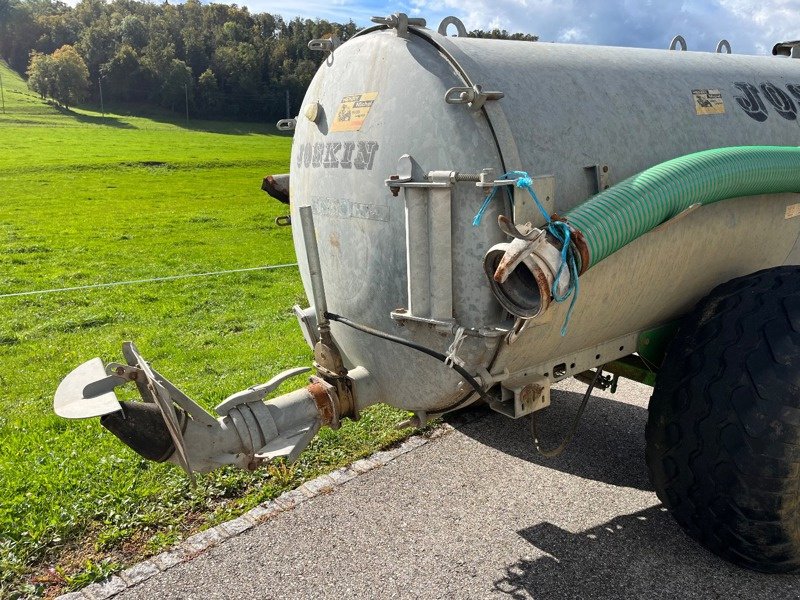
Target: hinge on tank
(400,22)
(474,96)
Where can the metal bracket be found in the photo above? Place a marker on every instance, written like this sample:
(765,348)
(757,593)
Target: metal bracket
(400,22)
(257,393)
(790,49)
(473,97)
(602,176)
(286,124)
(326,45)
(521,401)
(525,209)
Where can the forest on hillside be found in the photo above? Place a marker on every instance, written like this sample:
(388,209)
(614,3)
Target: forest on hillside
(228,62)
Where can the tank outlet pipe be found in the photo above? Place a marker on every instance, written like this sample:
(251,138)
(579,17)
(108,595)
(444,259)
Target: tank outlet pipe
(169,426)
(614,218)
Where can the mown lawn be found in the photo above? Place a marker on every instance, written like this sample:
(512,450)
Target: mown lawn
(86,199)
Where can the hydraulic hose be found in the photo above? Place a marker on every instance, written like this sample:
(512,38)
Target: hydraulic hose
(619,215)
(418,347)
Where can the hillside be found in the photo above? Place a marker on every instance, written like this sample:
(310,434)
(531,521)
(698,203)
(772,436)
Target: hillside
(88,200)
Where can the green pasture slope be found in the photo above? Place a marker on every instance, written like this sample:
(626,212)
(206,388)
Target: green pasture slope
(87,199)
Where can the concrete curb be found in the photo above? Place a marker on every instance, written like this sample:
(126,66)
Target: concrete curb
(198,543)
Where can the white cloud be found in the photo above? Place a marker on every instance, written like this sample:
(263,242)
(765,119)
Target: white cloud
(571,35)
(751,26)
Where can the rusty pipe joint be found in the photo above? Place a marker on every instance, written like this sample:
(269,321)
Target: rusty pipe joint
(522,273)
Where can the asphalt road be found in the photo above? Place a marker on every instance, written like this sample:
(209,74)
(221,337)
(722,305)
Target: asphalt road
(477,513)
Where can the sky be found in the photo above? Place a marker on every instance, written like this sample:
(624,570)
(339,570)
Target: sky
(751,26)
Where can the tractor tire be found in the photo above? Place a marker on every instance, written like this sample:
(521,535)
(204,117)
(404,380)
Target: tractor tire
(723,430)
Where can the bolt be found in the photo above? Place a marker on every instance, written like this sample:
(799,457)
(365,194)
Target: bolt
(476,177)
(395,190)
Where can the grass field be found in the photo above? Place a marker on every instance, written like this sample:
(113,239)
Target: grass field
(87,199)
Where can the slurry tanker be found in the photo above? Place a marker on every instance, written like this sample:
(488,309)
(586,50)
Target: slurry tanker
(476,220)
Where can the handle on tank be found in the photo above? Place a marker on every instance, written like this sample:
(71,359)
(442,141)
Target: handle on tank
(678,39)
(461,31)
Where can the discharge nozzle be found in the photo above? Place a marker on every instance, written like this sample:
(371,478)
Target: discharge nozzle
(170,426)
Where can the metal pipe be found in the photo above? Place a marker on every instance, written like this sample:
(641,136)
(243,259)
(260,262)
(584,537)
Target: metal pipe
(418,252)
(314,267)
(441,253)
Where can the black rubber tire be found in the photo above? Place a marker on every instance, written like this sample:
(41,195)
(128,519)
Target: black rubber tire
(723,430)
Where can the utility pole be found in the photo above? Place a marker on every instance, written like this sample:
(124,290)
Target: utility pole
(288,106)
(100,83)
(2,94)
(186,95)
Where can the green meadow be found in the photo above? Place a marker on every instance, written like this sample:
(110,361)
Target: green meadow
(88,199)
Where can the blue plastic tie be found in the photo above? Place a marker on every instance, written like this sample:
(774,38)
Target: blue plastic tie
(558,229)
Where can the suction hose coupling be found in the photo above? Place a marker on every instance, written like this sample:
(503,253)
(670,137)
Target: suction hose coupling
(524,272)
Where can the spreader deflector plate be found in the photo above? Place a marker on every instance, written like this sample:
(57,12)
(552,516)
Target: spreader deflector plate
(71,402)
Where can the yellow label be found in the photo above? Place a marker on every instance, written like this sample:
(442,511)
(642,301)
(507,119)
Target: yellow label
(708,102)
(352,111)
(792,211)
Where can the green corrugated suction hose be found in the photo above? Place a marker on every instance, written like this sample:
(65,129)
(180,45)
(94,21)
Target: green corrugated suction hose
(628,210)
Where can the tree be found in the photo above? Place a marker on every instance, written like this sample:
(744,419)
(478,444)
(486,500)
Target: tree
(208,92)
(72,76)
(41,74)
(123,74)
(62,75)
(133,32)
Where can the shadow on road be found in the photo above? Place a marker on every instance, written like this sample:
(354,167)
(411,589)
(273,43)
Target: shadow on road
(629,557)
(608,446)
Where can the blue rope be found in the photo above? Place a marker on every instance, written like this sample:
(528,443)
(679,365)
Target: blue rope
(558,229)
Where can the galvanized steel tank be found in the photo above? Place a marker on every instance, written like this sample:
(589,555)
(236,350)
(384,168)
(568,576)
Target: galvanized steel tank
(582,117)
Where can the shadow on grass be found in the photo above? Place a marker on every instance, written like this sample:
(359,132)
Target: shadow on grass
(631,556)
(178,119)
(220,127)
(608,446)
(94,120)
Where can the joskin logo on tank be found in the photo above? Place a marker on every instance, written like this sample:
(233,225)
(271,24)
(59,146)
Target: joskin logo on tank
(337,155)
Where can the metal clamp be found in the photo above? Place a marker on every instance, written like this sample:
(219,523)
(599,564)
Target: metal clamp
(474,97)
(286,124)
(327,45)
(400,22)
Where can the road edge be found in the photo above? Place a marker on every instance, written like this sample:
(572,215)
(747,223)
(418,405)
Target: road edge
(198,543)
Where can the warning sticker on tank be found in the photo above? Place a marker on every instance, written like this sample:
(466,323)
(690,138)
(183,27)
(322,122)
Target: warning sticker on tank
(353,111)
(792,211)
(708,102)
